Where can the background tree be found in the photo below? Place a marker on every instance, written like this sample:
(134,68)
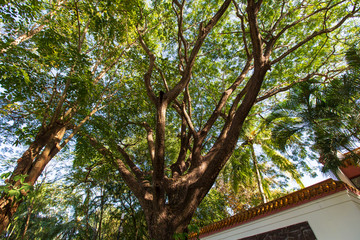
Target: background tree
(323,114)
(273,158)
(89,202)
(258,160)
(56,72)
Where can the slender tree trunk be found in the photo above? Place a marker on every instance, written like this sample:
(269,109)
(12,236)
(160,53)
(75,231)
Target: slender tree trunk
(101,213)
(133,217)
(87,199)
(120,229)
(137,229)
(30,209)
(258,176)
(11,232)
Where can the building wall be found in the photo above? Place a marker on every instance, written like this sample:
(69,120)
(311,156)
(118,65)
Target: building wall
(336,217)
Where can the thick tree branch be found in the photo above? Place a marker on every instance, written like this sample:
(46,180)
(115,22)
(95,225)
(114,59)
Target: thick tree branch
(23,38)
(252,11)
(181,39)
(129,178)
(180,166)
(187,100)
(33,31)
(82,38)
(137,172)
(79,27)
(225,96)
(80,124)
(220,152)
(279,89)
(149,137)
(53,95)
(165,99)
(50,150)
(189,122)
(159,160)
(62,99)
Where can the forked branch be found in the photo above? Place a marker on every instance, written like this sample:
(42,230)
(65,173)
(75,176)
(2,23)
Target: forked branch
(128,177)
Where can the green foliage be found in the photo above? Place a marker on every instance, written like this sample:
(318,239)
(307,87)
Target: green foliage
(213,208)
(87,60)
(259,158)
(192,228)
(17,188)
(73,205)
(323,115)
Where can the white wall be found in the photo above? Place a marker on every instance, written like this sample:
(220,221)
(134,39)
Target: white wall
(334,217)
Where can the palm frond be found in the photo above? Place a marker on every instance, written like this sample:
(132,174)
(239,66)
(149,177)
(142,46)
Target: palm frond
(283,163)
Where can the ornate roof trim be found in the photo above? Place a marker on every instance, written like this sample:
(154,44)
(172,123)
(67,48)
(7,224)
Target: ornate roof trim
(348,161)
(291,200)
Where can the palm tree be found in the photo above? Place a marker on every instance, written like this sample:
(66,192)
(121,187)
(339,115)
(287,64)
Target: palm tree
(325,114)
(259,159)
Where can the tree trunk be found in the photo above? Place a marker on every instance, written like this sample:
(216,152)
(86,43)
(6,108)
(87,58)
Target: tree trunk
(8,207)
(164,224)
(161,230)
(101,213)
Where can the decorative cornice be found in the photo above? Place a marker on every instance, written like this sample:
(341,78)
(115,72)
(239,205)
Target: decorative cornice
(291,200)
(348,161)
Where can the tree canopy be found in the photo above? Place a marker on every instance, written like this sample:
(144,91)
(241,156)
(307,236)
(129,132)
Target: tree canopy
(159,90)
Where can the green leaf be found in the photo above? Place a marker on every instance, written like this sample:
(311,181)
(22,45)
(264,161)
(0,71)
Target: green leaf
(26,76)
(5,175)
(26,187)
(14,192)
(4,188)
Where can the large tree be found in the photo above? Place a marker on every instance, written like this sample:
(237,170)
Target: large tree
(195,71)
(58,61)
(206,69)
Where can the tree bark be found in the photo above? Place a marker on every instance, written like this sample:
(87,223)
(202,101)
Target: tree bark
(8,206)
(164,225)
